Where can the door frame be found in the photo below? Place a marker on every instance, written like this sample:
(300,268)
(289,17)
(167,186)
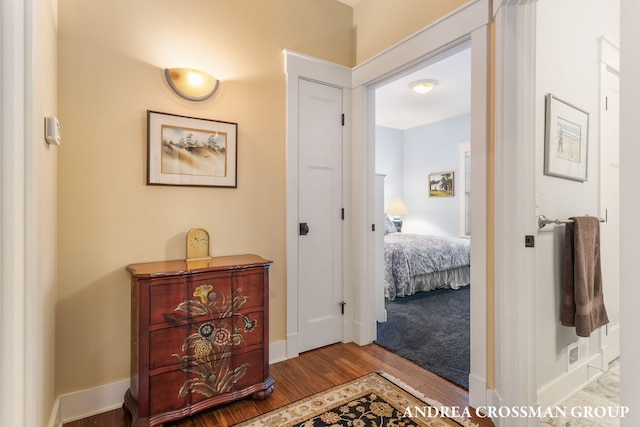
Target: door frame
(609,63)
(468,25)
(496,379)
(514,206)
(299,66)
(19,317)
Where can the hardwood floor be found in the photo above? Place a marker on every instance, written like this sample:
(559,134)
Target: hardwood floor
(310,373)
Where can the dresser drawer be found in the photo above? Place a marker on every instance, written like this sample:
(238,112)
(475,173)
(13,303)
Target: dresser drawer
(250,283)
(205,343)
(165,392)
(164,296)
(215,378)
(164,344)
(242,330)
(211,293)
(250,325)
(254,363)
(218,334)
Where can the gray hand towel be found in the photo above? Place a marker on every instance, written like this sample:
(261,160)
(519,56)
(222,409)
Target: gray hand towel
(582,300)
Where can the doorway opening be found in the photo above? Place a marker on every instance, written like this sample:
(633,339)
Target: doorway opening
(423,158)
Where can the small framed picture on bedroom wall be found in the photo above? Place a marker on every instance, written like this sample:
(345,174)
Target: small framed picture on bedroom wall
(441,184)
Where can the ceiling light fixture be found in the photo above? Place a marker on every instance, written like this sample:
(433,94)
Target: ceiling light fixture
(423,86)
(194,85)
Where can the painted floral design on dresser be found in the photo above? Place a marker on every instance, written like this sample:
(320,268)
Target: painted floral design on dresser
(207,351)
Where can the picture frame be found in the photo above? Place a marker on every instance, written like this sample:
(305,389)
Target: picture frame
(441,184)
(190,151)
(566,141)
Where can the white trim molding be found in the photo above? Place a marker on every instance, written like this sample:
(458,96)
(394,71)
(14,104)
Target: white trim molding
(466,26)
(463,149)
(479,171)
(566,385)
(609,53)
(277,352)
(438,37)
(515,207)
(629,208)
(55,419)
(85,403)
(17,217)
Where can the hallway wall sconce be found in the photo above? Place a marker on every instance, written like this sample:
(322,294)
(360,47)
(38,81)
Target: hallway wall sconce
(423,86)
(194,85)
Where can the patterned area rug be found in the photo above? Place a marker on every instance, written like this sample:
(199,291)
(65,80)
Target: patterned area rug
(377,399)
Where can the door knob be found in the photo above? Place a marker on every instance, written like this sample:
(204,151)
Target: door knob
(304,228)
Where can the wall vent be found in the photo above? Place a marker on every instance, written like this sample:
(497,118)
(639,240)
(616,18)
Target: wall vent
(577,353)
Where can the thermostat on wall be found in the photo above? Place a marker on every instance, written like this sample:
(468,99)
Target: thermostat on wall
(52,130)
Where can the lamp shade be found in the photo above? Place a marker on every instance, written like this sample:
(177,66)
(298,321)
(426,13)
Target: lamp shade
(194,85)
(397,207)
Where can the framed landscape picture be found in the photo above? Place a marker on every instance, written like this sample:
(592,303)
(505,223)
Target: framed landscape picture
(566,140)
(190,151)
(441,184)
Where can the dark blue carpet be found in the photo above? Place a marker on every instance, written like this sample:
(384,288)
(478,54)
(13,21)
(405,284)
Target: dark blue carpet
(432,330)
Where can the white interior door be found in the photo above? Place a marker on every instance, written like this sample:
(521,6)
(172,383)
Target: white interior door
(320,215)
(610,208)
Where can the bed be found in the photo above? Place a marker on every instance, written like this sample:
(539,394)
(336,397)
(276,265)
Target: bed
(415,263)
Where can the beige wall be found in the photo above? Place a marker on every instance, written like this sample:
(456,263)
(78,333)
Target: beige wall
(111,56)
(44,302)
(379,24)
(110,61)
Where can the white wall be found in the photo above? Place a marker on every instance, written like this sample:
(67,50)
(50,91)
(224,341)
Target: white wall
(389,150)
(430,149)
(567,65)
(408,157)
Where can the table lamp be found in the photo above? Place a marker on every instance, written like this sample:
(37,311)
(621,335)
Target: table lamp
(397,208)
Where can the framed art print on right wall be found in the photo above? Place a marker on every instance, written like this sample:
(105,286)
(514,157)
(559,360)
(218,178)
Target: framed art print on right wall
(566,140)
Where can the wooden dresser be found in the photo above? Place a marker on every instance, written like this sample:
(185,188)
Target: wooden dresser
(199,336)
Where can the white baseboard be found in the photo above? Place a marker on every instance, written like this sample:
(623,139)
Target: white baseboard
(85,403)
(292,345)
(277,351)
(55,419)
(569,383)
(494,400)
(477,391)
(360,334)
(611,343)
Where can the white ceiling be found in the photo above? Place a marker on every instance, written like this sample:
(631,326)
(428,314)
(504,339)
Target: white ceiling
(398,107)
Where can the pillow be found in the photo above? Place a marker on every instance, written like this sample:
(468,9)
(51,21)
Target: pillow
(389,226)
